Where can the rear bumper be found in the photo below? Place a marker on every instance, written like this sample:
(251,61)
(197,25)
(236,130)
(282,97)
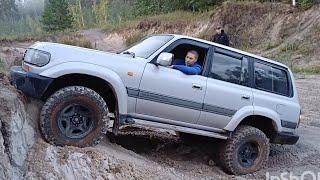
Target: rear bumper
(31,84)
(286,138)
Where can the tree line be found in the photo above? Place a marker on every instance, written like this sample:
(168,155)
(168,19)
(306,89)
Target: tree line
(57,15)
(63,14)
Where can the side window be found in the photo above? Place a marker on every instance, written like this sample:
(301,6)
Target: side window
(263,76)
(271,79)
(230,69)
(280,81)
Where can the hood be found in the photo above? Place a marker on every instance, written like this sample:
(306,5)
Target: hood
(61,53)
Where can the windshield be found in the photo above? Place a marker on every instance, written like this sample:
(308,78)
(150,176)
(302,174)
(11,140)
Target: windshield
(148,46)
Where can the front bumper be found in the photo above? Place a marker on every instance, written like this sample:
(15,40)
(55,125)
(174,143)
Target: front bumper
(286,138)
(29,83)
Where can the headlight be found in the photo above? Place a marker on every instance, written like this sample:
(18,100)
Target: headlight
(36,57)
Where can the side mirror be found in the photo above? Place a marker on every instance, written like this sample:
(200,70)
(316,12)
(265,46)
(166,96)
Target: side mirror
(165,59)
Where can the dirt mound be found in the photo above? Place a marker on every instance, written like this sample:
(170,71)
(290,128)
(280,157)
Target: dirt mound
(249,23)
(105,161)
(274,30)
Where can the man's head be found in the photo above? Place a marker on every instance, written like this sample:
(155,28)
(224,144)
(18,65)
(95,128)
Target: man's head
(191,57)
(219,29)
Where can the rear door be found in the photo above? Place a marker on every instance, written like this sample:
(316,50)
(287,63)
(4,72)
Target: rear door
(273,90)
(228,88)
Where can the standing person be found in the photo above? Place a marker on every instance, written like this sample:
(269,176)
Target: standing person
(220,37)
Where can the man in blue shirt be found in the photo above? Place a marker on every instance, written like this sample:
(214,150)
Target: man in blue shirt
(189,66)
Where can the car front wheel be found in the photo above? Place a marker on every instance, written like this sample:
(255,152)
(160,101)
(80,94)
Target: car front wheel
(74,116)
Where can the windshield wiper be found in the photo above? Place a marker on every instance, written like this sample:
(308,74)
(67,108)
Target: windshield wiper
(130,53)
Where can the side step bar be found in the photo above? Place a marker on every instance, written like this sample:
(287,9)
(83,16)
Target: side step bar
(180,129)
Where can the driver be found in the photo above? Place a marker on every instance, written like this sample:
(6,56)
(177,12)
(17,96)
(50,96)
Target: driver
(189,66)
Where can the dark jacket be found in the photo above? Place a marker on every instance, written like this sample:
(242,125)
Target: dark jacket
(221,38)
(195,69)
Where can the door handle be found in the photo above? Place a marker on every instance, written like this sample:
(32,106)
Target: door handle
(197,86)
(246,97)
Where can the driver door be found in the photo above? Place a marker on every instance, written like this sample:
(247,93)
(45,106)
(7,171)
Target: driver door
(169,96)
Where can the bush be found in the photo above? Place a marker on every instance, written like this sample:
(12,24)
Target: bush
(305,4)
(152,7)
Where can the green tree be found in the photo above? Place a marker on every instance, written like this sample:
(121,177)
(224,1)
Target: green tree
(100,10)
(78,14)
(56,16)
(8,9)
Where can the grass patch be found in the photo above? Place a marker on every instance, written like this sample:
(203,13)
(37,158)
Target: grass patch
(69,37)
(75,41)
(207,34)
(306,50)
(173,22)
(286,58)
(307,70)
(291,47)
(23,37)
(272,45)
(134,38)
(41,36)
(176,17)
(2,65)
(181,16)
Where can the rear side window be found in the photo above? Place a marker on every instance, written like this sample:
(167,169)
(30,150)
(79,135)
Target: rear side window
(230,69)
(271,79)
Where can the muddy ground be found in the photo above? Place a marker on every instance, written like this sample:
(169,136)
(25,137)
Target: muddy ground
(145,153)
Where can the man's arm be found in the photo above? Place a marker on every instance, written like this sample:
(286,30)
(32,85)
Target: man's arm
(195,70)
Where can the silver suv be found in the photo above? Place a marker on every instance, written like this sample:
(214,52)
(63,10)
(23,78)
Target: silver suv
(246,100)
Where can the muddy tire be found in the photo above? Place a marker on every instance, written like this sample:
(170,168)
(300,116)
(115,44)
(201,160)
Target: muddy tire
(74,116)
(247,151)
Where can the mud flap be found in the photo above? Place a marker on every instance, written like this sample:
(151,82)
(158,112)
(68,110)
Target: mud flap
(116,123)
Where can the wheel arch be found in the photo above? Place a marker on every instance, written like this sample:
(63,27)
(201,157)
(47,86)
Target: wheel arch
(263,123)
(264,119)
(102,80)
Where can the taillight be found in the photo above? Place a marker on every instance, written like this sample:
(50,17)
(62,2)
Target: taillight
(300,117)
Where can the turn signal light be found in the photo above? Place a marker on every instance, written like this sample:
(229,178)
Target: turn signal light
(25,67)
(300,117)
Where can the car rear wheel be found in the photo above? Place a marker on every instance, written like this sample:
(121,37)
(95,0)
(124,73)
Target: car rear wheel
(74,116)
(247,151)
